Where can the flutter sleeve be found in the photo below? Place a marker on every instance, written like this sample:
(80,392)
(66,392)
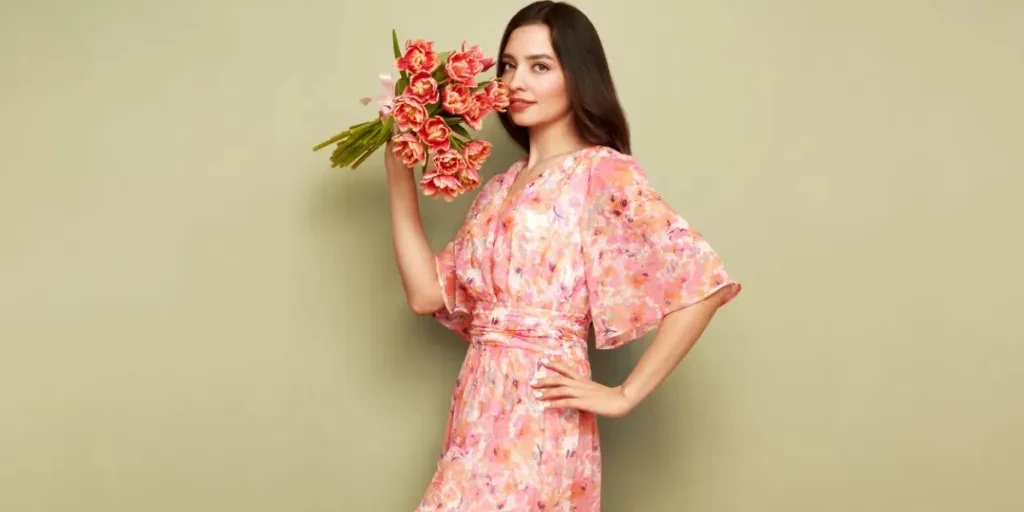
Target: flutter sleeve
(642,259)
(458,303)
(455,269)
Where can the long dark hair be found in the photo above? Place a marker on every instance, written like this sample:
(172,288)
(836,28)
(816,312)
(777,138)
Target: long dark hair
(595,105)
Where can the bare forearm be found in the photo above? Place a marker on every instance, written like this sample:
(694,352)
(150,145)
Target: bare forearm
(412,250)
(677,334)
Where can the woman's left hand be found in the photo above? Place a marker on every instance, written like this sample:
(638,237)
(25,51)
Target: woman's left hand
(569,389)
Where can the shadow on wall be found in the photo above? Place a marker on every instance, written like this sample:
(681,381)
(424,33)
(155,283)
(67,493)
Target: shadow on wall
(666,419)
(387,356)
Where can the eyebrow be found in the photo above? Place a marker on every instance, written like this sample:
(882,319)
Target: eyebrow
(535,56)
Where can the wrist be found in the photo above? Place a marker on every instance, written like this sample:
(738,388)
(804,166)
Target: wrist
(397,171)
(630,394)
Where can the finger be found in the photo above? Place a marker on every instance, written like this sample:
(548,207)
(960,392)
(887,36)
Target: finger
(553,380)
(565,403)
(557,393)
(562,369)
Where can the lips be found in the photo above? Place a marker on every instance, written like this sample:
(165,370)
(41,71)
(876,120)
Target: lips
(519,104)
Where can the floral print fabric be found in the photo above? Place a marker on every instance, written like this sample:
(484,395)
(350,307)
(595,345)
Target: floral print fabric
(587,242)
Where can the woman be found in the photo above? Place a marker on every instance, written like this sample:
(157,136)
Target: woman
(570,236)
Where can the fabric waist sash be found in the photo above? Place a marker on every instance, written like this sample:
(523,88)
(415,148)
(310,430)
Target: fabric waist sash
(534,329)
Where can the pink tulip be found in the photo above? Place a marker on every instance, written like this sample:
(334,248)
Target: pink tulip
(476,152)
(463,66)
(456,98)
(436,133)
(419,56)
(478,109)
(435,184)
(470,178)
(449,162)
(497,95)
(410,149)
(408,113)
(423,88)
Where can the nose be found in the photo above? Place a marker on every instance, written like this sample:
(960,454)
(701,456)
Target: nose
(516,81)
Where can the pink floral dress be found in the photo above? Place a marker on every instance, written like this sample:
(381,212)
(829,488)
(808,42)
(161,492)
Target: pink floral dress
(587,242)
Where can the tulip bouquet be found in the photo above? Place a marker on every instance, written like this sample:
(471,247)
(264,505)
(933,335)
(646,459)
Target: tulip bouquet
(425,113)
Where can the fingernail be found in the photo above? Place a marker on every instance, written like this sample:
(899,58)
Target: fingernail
(533,382)
(537,394)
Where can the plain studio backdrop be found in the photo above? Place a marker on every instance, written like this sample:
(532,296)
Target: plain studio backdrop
(198,314)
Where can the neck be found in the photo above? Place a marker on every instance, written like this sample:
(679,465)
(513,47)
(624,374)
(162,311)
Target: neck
(552,140)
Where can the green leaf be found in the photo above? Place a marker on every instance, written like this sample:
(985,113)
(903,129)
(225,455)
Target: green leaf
(457,144)
(461,130)
(398,53)
(402,84)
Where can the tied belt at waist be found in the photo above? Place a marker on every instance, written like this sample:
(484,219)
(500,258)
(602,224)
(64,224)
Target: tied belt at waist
(542,330)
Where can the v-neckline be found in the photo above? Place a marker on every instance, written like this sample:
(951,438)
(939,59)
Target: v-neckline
(508,200)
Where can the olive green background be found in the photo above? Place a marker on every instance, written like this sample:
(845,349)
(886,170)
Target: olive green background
(198,314)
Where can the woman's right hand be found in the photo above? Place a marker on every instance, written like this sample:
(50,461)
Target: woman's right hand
(392,162)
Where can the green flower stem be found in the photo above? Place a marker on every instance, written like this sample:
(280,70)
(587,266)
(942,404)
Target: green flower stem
(331,140)
(353,146)
(345,154)
(377,140)
(345,134)
(356,146)
(362,158)
(365,128)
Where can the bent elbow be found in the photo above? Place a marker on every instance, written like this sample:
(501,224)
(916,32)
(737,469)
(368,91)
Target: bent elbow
(423,307)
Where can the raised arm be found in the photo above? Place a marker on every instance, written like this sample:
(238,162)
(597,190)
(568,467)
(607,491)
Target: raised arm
(415,259)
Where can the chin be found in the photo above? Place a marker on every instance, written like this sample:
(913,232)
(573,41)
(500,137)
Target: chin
(534,117)
(522,119)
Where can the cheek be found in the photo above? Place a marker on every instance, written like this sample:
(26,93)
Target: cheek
(551,91)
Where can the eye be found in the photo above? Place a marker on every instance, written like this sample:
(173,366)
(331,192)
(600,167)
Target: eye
(541,67)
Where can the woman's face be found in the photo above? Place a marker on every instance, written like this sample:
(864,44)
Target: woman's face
(535,78)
